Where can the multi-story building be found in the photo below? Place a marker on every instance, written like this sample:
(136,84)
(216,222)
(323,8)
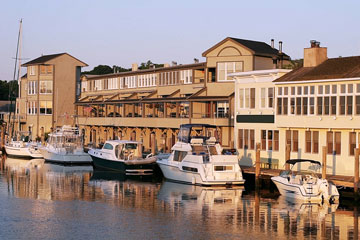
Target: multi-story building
(142,103)
(47,93)
(315,106)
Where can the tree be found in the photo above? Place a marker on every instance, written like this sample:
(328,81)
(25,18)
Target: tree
(100,70)
(148,64)
(7,89)
(294,64)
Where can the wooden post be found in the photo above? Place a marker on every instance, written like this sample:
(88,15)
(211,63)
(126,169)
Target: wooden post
(169,142)
(257,168)
(42,134)
(324,152)
(257,161)
(356,170)
(287,156)
(2,141)
(153,143)
(141,149)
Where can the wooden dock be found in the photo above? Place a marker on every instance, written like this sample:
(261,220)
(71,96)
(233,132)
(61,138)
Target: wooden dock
(338,180)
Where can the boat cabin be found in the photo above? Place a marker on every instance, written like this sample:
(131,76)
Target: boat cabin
(126,150)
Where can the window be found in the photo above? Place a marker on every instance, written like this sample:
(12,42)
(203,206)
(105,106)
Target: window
(292,138)
(224,68)
(270,140)
(46,87)
(32,86)
(263,97)
(84,86)
(179,155)
(45,108)
(49,69)
(42,69)
(31,108)
(32,70)
(186,76)
(312,142)
(352,143)
(113,83)
(248,98)
(270,97)
(98,84)
(246,139)
(333,142)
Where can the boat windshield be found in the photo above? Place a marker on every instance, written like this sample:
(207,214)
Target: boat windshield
(130,146)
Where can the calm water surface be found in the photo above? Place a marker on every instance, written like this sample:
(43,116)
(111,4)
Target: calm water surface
(45,201)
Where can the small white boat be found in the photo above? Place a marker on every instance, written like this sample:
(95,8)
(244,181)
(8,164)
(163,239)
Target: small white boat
(65,146)
(124,156)
(21,147)
(197,158)
(305,185)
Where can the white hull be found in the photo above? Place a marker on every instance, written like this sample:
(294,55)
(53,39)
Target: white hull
(66,158)
(299,192)
(22,152)
(198,178)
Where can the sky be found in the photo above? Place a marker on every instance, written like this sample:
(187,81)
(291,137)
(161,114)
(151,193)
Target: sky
(120,32)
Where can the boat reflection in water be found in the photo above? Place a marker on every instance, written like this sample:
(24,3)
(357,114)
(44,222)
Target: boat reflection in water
(191,198)
(160,209)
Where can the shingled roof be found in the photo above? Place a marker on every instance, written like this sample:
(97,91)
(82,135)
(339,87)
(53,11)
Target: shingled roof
(332,68)
(258,48)
(43,59)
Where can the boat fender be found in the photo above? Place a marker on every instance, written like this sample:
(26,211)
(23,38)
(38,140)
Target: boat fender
(193,180)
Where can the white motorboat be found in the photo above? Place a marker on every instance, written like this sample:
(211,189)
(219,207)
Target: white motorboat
(198,158)
(123,156)
(65,146)
(305,185)
(22,147)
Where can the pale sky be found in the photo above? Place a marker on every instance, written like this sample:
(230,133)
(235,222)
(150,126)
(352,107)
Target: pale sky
(119,32)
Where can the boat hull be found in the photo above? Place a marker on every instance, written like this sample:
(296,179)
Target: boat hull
(173,173)
(298,192)
(22,152)
(121,166)
(81,158)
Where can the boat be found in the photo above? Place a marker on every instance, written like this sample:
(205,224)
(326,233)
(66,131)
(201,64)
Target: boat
(21,147)
(65,146)
(198,158)
(123,156)
(305,185)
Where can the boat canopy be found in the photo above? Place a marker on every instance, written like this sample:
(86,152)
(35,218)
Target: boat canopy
(294,161)
(204,131)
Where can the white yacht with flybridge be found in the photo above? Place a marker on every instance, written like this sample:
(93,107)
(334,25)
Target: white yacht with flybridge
(198,158)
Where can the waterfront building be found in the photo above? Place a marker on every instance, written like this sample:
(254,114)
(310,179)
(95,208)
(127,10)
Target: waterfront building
(314,106)
(47,93)
(152,103)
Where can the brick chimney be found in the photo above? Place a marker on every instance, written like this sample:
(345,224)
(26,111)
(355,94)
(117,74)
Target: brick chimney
(315,55)
(134,67)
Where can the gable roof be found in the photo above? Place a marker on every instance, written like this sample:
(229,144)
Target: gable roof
(45,58)
(332,68)
(256,47)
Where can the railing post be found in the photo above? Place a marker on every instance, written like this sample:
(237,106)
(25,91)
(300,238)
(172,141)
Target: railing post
(153,144)
(356,170)
(257,166)
(324,152)
(287,156)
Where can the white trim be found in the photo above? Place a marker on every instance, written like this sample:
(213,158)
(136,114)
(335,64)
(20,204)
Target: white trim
(259,72)
(319,80)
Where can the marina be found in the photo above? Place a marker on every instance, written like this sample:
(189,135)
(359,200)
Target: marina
(49,198)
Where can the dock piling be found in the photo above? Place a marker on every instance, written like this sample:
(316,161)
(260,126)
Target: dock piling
(287,156)
(153,143)
(356,170)
(257,166)
(324,152)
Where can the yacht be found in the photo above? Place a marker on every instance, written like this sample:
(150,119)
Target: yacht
(65,146)
(198,158)
(22,147)
(305,185)
(123,156)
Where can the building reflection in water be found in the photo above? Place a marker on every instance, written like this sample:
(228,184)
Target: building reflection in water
(214,211)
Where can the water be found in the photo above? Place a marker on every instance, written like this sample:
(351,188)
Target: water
(45,201)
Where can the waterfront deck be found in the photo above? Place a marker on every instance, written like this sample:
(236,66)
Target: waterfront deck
(338,180)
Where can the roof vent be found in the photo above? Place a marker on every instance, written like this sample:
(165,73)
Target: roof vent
(196,60)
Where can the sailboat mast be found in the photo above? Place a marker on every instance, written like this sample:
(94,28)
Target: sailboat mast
(10,89)
(19,76)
